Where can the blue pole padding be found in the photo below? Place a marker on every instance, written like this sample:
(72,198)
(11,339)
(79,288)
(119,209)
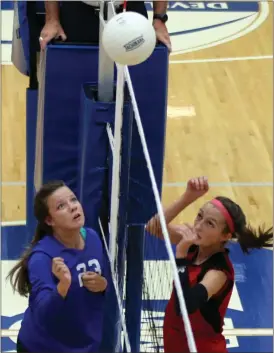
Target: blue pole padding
(134,284)
(93,152)
(94,165)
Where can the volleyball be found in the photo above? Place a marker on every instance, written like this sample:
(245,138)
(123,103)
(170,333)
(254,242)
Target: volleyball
(129,38)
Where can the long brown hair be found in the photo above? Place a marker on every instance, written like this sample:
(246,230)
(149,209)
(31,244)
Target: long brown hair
(248,237)
(18,275)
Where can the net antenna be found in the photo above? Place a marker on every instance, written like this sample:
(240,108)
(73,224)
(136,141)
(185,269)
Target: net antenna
(106,94)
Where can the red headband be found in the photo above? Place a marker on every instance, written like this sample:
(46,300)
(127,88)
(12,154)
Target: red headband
(225,213)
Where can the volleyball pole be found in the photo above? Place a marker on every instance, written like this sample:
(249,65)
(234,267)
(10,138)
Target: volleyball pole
(106,65)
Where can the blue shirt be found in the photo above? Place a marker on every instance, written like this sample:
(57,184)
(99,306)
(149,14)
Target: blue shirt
(71,324)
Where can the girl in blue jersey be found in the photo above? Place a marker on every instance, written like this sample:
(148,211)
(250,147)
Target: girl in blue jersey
(63,273)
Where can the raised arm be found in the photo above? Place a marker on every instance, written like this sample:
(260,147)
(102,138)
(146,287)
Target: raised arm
(196,188)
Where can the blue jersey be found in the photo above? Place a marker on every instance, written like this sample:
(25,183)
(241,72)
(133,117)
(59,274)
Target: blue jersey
(71,324)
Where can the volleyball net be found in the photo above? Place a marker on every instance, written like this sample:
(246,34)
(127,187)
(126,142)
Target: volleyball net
(150,276)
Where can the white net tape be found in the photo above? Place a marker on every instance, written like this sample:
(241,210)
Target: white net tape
(114,210)
(230,332)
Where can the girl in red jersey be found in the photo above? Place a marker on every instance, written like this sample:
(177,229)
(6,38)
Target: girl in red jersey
(205,270)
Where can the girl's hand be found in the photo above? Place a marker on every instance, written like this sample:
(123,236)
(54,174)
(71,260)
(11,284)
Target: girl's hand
(197,187)
(94,282)
(61,272)
(189,238)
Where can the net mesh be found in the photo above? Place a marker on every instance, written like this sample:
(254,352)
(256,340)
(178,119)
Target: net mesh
(158,275)
(156,287)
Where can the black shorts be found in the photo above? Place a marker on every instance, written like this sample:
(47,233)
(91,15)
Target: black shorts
(81,21)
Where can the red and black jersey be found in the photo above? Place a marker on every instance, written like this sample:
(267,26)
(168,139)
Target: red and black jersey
(206,322)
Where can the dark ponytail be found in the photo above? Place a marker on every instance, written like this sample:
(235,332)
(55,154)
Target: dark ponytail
(248,237)
(18,275)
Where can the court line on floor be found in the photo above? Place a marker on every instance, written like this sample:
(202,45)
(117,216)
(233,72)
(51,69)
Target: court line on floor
(214,60)
(227,332)
(206,60)
(13,183)
(13,223)
(177,184)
